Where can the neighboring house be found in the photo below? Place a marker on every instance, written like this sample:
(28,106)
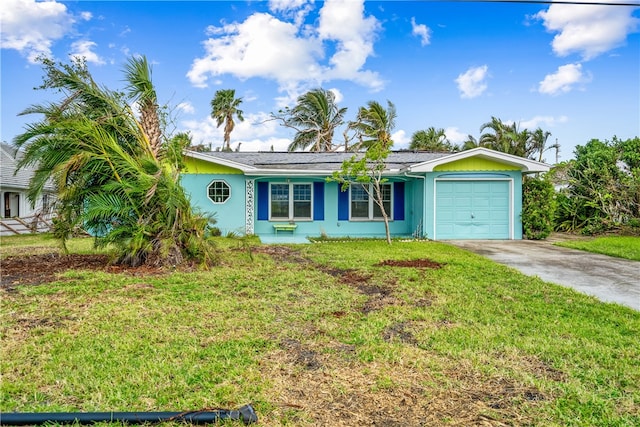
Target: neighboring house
(13,187)
(475,194)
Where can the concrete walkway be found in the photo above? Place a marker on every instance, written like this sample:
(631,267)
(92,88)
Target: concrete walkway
(607,278)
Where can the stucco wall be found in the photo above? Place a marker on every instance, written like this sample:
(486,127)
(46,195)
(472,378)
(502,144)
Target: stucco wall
(230,215)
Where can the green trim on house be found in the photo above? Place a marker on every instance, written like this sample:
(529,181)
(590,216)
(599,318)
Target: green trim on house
(201,166)
(475,164)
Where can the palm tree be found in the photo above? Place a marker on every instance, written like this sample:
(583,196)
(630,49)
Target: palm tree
(470,143)
(517,142)
(224,106)
(315,118)
(499,138)
(141,90)
(431,139)
(539,143)
(373,125)
(110,178)
(506,138)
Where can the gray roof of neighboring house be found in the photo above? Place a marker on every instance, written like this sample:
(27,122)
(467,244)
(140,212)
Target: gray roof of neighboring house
(317,161)
(8,176)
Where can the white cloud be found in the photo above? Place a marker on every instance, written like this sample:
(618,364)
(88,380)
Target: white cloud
(261,46)
(422,31)
(588,29)
(83,49)
(338,95)
(344,22)
(86,16)
(284,5)
(472,83)
(563,80)
(32,27)
(400,140)
(542,122)
(288,52)
(256,133)
(455,136)
(186,107)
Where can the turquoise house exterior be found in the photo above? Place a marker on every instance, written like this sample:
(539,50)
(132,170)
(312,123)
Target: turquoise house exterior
(475,194)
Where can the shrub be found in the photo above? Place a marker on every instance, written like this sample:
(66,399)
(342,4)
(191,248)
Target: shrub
(538,208)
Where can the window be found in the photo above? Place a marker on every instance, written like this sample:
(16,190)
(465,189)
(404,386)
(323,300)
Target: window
(364,207)
(219,191)
(290,201)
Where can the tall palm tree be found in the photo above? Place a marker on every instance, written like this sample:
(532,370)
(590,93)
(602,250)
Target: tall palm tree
(110,179)
(373,125)
(315,118)
(431,139)
(141,90)
(224,106)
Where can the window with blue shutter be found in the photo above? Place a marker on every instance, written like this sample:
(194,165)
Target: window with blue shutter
(343,204)
(263,201)
(398,201)
(318,201)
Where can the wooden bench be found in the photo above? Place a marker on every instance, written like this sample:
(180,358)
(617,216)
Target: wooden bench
(284,227)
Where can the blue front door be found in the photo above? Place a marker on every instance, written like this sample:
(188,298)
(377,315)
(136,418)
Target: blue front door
(473,209)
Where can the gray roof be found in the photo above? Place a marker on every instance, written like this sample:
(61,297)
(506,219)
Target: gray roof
(317,161)
(10,157)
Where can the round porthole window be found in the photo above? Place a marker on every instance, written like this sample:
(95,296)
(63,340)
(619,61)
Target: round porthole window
(219,191)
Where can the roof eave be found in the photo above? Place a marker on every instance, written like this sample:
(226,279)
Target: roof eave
(213,159)
(525,165)
(305,172)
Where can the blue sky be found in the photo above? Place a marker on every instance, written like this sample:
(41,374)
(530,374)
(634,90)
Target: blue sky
(573,70)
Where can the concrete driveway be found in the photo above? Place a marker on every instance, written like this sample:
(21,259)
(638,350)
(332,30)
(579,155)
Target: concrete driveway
(607,278)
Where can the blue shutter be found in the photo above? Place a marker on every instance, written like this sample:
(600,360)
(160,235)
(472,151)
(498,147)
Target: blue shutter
(263,201)
(318,201)
(343,204)
(398,201)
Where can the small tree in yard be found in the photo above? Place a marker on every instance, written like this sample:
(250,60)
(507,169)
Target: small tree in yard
(372,127)
(117,172)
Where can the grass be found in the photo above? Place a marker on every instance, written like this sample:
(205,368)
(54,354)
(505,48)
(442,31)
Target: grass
(310,332)
(617,246)
(31,244)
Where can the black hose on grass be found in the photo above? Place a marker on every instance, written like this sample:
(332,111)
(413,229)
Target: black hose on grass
(246,414)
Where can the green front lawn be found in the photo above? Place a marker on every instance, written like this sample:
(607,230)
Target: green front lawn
(309,333)
(617,246)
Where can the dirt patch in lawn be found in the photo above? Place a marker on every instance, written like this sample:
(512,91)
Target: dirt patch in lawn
(339,391)
(44,268)
(415,263)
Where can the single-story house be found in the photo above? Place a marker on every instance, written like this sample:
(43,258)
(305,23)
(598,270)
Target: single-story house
(474,194)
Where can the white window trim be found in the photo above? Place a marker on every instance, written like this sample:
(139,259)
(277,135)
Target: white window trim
(225,183)
(291,217)
(372,203)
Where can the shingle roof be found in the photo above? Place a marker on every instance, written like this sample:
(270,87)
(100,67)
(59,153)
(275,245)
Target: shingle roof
(316,161)
(10,157)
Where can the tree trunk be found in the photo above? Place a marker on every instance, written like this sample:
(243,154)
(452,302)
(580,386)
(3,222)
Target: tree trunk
(386,226)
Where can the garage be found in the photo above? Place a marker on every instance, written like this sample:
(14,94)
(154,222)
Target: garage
(473,209)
